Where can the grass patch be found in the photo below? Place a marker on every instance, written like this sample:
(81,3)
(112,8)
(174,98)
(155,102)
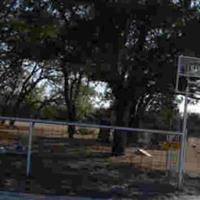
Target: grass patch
(84,151)
(84,131)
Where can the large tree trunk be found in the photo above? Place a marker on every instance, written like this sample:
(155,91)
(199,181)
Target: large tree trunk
(104,134)
(119,143)
(71,131)
(14,113)
(3,113)
(122,112)
(72,118)
(133,136)
(71,93)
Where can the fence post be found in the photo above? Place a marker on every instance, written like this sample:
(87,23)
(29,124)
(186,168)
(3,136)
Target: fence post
(28,164)
(183,141)
(181,162)
(169,156)
(112,131)
(169,159)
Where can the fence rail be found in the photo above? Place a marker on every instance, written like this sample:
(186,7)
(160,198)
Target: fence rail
(32,122)
(65,123)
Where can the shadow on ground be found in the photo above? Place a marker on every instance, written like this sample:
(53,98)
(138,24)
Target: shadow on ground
(78,169)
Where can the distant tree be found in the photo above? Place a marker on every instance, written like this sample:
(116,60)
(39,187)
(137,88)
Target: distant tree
(85,105)
(43,31)
(20,82)
(136,46)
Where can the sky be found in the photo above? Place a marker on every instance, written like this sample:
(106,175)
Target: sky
(101,88)
(191,108)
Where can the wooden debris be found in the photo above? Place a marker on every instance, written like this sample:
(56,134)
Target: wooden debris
(143,152)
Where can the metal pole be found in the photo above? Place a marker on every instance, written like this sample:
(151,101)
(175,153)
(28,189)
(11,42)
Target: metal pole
(178,72)
(28,165)
(91,125)
(180,172)
(185,125)
(168,156)
(182,153)
(185,149)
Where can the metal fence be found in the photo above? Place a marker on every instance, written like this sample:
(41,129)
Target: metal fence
(157,150)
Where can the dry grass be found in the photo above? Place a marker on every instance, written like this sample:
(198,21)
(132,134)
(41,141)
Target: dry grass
(82,166)
(157,162)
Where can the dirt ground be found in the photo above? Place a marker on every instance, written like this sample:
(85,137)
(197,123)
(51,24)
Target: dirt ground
(84,167)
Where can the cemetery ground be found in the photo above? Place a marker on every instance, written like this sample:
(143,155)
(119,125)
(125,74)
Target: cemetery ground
(85,167)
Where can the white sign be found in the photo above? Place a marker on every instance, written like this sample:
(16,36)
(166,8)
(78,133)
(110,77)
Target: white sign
(189,66)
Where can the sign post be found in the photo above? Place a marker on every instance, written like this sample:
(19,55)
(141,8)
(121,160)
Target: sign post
(182,154)
(28,165)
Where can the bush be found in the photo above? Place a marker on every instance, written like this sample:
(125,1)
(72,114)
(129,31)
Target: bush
(84,131)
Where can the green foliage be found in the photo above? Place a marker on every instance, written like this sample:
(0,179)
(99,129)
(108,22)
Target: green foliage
(49,112)
(167,113)
(49,31)
(84,131)
(35,97)
(84,103)
(35,33)
(20,26)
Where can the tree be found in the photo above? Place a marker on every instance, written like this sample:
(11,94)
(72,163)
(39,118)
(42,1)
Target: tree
(85,105)
(20,86)
(19,75)
(138,46)
(132,41)
(132,46)
(44,32)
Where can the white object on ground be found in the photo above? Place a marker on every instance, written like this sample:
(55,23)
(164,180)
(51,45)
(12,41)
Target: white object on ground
(142,151)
